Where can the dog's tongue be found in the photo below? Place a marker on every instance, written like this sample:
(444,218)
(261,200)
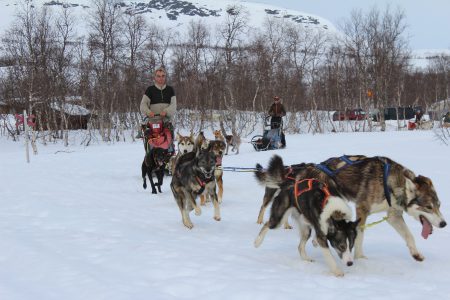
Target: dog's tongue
(218,161)
(426,228)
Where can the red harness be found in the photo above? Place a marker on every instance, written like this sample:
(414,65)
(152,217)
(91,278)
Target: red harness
(202,184)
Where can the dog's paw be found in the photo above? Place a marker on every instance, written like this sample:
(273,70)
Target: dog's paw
(198,211)
(217,218)
(144,186)
(287,226)
(308,259)
(189,225)
(154,191)
(418,257)
(159,190)
(360,256)
(338,273)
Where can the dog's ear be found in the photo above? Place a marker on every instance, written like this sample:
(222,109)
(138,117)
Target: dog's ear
(336,224)
(423,179)
(409,174)
(210,145)
(355,223)
(178,138)
(332,226)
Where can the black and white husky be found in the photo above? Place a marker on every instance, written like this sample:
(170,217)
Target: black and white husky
(314,207)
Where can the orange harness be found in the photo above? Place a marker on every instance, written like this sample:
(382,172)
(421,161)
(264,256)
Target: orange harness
(310,181)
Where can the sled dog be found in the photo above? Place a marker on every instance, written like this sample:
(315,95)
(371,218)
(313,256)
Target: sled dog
(154,163)
(185,145)
(201,142)
(233,140)
(194,175)
(376,184)
(269,192)
(313,206)
(218,136)
(217,147)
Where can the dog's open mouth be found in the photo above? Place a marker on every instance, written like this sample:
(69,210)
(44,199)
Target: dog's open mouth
(218,160)
(427,228)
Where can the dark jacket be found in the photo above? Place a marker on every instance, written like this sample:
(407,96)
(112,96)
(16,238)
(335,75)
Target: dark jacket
(277,110)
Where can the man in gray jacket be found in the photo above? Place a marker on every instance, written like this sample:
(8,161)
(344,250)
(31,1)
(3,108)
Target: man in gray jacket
(159,98)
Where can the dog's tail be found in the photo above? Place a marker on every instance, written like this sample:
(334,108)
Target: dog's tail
(222,128)
(274,175)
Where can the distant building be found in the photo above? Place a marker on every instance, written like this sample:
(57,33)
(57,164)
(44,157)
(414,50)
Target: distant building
(76,116)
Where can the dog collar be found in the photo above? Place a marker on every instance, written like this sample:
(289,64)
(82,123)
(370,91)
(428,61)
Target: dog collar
(202,184)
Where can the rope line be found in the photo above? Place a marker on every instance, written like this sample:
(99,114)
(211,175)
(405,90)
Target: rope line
(239,169)
(373,223)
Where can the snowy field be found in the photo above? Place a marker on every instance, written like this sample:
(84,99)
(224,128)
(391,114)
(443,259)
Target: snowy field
(78,225)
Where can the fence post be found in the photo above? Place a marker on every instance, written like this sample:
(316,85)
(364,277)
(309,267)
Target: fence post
(27,151)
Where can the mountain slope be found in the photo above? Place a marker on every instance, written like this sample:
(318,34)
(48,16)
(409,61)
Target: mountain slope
(176,14)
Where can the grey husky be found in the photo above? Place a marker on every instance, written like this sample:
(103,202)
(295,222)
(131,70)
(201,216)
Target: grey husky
(316,207)
(193,176)
(378,184)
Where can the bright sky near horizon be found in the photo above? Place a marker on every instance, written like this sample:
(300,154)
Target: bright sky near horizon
(428,21)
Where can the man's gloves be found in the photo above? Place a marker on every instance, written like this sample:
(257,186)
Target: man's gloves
(152,114)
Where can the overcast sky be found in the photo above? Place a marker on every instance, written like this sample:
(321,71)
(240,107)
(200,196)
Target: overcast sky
(428,20)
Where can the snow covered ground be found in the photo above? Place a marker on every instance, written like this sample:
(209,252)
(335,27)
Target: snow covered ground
(77,224)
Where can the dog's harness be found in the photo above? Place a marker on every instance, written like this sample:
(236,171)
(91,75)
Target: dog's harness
(386,170)
(324,166)
(308,185)
(202,183)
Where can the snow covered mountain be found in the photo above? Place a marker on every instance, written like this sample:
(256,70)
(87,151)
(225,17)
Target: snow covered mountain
(176,14)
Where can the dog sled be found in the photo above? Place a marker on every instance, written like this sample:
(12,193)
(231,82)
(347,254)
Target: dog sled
(272,137)
(426,125)
(157,134)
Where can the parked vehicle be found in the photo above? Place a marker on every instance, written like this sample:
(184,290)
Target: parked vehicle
(349,114)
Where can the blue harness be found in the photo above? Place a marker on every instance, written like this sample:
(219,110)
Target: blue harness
(386,170)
